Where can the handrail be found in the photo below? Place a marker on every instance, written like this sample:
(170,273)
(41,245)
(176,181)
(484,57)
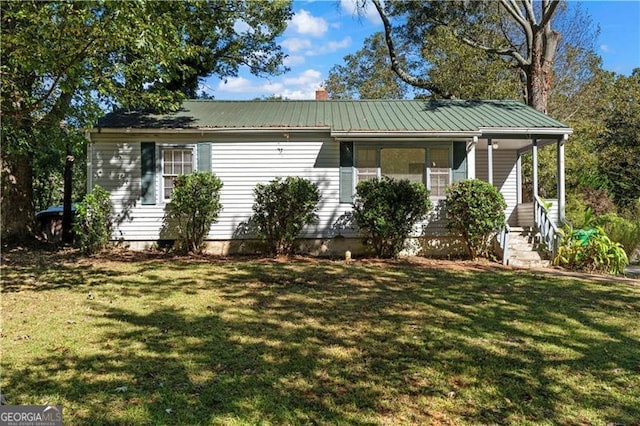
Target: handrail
(503,242)
(545,226)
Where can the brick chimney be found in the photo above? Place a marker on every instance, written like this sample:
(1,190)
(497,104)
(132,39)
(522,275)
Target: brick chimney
(322,95)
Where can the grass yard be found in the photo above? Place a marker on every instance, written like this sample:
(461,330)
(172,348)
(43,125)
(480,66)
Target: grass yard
(137,339)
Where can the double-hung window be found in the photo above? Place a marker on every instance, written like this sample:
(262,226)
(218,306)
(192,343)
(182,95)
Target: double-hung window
(175,162)
(439,171)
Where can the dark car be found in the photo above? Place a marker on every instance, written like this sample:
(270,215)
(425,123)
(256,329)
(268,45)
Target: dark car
(50,222)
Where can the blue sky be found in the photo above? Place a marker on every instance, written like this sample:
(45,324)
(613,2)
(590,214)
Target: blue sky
(321,33)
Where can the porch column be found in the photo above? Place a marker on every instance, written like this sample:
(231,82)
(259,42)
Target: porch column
(490,160)
(560,177)
(471,158)
(534,159)
(519,178)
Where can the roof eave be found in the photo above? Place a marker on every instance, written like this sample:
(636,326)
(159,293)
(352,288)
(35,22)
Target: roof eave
(525,132)
(400,134)
(206,130)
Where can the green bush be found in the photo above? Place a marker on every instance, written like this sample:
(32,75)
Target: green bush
(386,210)
(590,250)
(475,209)
(92,222)
(281,209)
(621,230)
(195,205)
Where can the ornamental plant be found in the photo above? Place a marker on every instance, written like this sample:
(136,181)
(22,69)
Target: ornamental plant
(281,209)
(590,250)
(386,210)
(92,222)
(475,210)
(194,207)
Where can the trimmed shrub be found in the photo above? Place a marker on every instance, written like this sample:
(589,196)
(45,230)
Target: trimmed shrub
(281,209)
(590,250)
(386,211)
(92,222)
(475,209)
(195,205)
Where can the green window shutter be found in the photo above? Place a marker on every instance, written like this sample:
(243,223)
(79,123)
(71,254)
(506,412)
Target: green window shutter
(204,156)
(346,172)
(459,161)
(148,175)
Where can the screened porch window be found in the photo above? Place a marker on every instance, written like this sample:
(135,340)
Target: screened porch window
(175,162)
(403,163)
(366,164)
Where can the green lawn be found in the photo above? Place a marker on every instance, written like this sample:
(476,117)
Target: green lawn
(145,340)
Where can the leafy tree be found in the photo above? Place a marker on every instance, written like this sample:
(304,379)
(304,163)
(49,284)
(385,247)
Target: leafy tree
(366,74)
(63,62)
(520,33)
(475,209)
(195,205)
(619,145)
(281,209)
(387,209)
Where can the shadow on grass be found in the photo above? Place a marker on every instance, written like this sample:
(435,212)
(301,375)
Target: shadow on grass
(307,342)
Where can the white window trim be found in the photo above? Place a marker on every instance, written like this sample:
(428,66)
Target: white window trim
(172,147)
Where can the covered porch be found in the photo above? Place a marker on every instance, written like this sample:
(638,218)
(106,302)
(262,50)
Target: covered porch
(499,160)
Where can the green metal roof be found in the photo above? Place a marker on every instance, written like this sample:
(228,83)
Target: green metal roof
(342,116)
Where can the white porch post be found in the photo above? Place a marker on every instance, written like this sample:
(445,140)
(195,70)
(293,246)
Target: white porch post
(519,178)
(560,178)
(534,158)
(471,158)
(490,160)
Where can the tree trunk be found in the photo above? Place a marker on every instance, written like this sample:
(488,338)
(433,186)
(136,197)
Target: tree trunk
(540,72)
(17,197)
(67,217)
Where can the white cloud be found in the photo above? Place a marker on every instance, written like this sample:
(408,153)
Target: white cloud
(369,11)
(236,85)
(604,48)
(293,60)
(304,22)
(305,78)
(330,47)
(299,94)
(299,86)
(294,44)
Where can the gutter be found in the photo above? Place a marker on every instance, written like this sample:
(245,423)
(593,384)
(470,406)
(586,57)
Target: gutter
(206,130)
(356,134)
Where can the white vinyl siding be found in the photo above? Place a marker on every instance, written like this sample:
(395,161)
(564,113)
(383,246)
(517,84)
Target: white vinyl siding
(504,177)
(240,165)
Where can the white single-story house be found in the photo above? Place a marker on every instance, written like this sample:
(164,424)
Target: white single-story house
(334,143)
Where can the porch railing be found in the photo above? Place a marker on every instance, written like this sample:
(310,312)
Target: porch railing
(503,242)
(545,226)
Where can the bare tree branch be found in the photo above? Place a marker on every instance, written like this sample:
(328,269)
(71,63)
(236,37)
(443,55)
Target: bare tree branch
(514,11)
(548,9)
(531,15)
(395,63)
